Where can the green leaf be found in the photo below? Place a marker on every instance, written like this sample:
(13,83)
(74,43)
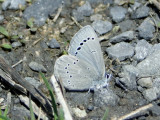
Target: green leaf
(15,37)
(4,31)
(5,112)
(30,22)
(115,29)
(131,1)
(6,46)
(3,118)
(105,115)
(65,52)
(61,114)
(52,96)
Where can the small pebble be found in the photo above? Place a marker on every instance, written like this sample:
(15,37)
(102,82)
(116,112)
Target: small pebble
(120,51)
(150,65)
(40,10)
(102,27)
(96,17)
(128,77)
(1,18)
(145,82)
(84,10)
(79,113)
(140,12)
(125,36)
(90,107)
(155,110)
(127,25)
(53,44)
(150,94)
(37,67)
(146,29)
(12,4)
(33,81)
(135,5)
(142,49)
(16,44)
(118,13)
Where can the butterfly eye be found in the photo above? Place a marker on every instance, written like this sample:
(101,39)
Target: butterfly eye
(88,38)
(92,38)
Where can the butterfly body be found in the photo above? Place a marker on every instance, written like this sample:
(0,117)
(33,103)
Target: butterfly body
(83,68)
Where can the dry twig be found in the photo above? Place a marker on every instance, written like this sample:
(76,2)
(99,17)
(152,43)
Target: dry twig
(136,112)
(67,114)
(76,22)
(155,3)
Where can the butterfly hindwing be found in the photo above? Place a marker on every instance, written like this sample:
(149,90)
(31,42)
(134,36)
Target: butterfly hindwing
(75,74)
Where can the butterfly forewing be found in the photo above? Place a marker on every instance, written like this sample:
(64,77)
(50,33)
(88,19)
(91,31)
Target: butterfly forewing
(76,74)
(85,45)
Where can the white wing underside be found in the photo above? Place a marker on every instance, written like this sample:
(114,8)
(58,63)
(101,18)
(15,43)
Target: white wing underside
(90,51)
(84,65)
(75,73)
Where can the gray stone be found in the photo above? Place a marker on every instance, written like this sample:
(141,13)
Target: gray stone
(1,18)
(156,83)
(96,2)
(145,82)
(12,4)
(84,10)
(18,113)
(53,43)
(120,51)
(135,5)
(130,69)
(142,49)
(127,25)
(78,16)
(102,27)
(155,110)
(140,12)
(150,94)
(33,82)
(43,44)
(129,74)
(37,67)
(16,44)
(96,17)
(104,96)
(155,47)
(125,36)
(90,107)
(146,29)
(150,66)
(41,9)
(118,13)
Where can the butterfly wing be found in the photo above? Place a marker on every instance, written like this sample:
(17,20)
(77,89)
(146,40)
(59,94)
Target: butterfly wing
(74,73)
(85,45)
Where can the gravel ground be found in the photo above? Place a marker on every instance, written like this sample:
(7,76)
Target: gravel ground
(129,33)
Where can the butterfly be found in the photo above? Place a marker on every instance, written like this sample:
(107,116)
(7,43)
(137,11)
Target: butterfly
(83,68)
